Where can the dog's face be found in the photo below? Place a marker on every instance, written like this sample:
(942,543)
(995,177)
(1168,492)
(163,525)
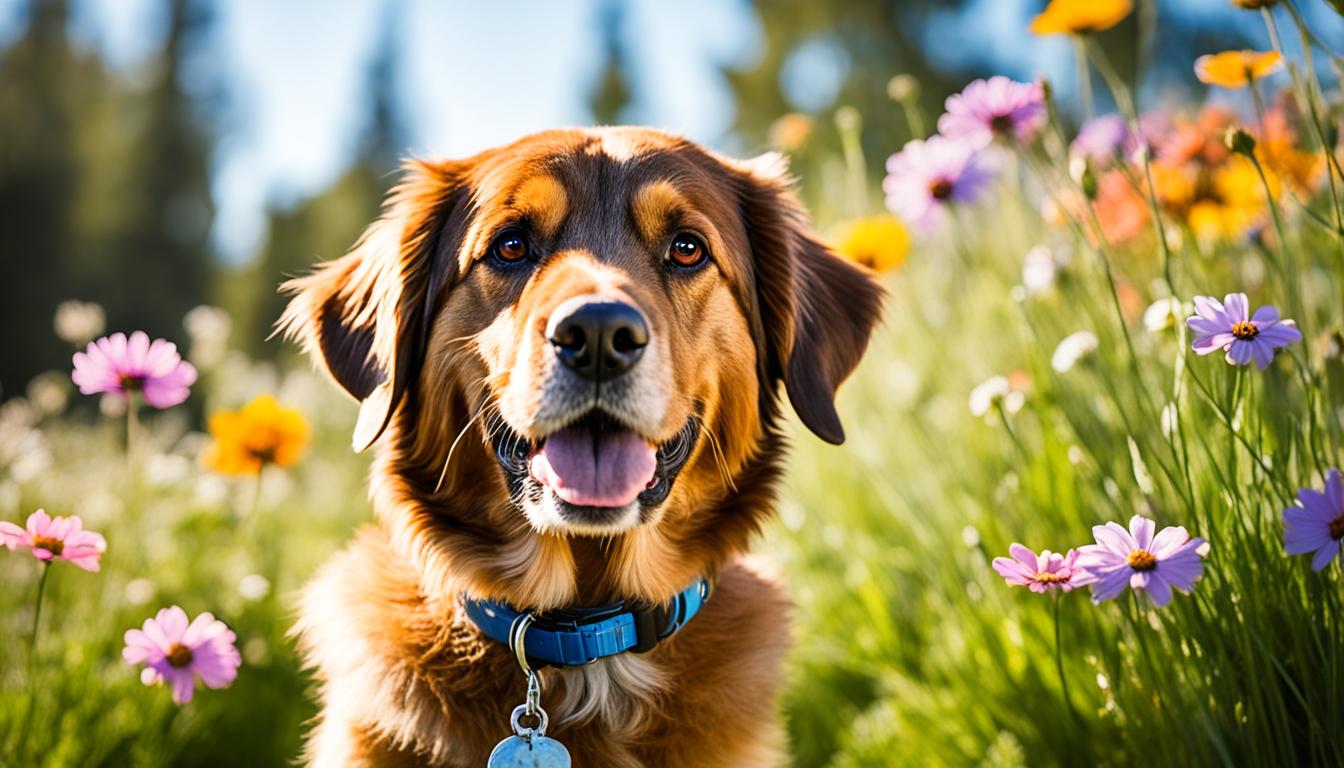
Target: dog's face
(606,313)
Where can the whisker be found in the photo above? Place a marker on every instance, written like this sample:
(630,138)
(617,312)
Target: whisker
(443,473)
(719,460)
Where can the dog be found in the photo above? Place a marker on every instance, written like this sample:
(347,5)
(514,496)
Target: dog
(569,351)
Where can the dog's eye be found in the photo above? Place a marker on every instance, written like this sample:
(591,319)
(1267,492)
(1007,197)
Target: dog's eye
(687,251)
(510,248)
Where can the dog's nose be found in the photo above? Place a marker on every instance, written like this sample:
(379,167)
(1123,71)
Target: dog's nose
(599,340)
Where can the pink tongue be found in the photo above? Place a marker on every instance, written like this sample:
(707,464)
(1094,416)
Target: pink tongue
(609,474)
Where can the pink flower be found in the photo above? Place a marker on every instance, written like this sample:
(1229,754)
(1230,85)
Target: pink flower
(177,652)
(1318,525)
(124,366)
(1137,558)
(926,176)
(1040,573)
(53,537)
(994,108)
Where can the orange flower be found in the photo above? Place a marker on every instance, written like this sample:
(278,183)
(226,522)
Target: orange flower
(1079,17)
(1237,69)
(263,432)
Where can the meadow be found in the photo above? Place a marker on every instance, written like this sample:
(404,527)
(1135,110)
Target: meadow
(1036,375)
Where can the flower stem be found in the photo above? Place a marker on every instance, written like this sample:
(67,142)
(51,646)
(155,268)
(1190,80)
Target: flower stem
(1084,78)
(25,728)
(1059,660)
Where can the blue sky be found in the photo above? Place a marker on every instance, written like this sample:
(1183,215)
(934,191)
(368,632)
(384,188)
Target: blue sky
(476,74)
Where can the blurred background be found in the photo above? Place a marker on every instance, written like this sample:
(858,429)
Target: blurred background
(160,154)
(157,156)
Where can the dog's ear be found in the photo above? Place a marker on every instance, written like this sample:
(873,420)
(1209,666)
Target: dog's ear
(816,309)
(366,316)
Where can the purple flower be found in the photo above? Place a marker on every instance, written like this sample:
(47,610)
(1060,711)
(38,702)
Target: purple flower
(994,108)
(1141,560)
(927,175)
(1040,573)
(1245,337)
(1318,525)
(124,366)
(178,652)
(1101,139)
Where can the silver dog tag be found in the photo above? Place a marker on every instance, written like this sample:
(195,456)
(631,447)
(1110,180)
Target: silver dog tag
(529,747)
(518,752)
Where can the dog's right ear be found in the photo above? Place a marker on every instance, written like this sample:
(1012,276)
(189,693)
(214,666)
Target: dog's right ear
(366,316)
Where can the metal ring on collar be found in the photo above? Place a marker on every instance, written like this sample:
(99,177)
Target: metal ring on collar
(517,635)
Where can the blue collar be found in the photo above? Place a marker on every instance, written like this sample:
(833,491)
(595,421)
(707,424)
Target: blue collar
(577,636)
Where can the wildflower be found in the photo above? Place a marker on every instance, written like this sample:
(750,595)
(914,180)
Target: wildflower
(790,132)
(1043,572)
(56,537)
(77,322)
(178,652)
(1080,17)
(262,432)
(995,392)
(997,108)
(1229,326)
(928,175)
(209,329)
(1162,315)
(1239,141)
(1040,267)
(877,242)
(903,88)
(1101,140)
(1073,348)
(1154,564)
(1318,524)
(121,366)
(1237,69)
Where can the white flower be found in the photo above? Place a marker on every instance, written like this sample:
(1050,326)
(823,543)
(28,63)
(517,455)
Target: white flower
(254,586)
(209,329)
(78,322)
(1038,269)
(1073,348)
(1163,315)
(995,392)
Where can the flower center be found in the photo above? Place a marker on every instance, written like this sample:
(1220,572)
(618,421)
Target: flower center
(1001,123)
(1337,528)
(54,546)
(1142,560)
(179,655)
(1245,330)
(941,189)
(1051,578)
(131,381)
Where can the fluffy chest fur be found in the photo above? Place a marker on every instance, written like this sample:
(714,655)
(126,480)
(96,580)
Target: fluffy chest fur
(408,680)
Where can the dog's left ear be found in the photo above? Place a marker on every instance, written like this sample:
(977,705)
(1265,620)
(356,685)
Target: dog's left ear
(366,316)
(816,309)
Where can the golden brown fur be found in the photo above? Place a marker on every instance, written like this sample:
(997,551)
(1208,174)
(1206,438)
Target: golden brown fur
(434,342)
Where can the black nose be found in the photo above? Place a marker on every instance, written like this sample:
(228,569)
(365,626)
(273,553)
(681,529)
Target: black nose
(599,340)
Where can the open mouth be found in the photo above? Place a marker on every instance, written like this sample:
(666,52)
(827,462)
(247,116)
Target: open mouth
(595,462)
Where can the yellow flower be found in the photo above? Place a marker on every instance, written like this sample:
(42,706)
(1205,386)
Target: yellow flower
(1236,69)
(1234,203)
(1078,17)
(263,432)
(879,242)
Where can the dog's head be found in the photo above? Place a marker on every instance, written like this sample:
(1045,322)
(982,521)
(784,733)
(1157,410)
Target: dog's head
(604,315)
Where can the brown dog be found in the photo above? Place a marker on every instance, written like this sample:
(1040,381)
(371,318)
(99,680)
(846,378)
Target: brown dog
(570,348)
